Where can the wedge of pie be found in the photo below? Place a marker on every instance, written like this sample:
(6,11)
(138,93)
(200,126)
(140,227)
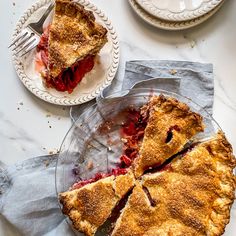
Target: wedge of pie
(89,206)
(171,124)
(69,45)
(192,197)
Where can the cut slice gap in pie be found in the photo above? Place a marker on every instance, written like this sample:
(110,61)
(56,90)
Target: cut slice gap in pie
(90,205)
(193,197)
(69,45)
(170,125)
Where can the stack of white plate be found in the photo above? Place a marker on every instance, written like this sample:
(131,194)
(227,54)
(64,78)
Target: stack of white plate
(175,14)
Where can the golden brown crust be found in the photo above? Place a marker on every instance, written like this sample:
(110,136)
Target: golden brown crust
(90,206)
(73,35)
(123,184)
(193,196)
(211,163)
(170,126)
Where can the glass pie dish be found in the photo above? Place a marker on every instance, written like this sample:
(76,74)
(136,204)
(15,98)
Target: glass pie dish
(94,145)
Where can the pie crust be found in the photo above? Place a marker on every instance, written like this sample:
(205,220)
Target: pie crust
(73,35)
(192,197)
(171,124)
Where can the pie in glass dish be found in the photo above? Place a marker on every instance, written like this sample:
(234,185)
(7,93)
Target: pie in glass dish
(161,186)
(69,45)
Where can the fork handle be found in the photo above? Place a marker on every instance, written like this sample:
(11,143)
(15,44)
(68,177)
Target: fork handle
(46,13)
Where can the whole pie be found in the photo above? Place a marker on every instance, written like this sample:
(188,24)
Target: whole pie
(165,186)
(69,45)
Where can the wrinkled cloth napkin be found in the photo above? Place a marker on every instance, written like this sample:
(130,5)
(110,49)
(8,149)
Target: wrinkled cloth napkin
(28,198)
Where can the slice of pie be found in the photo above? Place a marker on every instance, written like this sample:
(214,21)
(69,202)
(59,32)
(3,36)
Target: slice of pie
(89,206)
(171,124)
(192,197)
(70,44)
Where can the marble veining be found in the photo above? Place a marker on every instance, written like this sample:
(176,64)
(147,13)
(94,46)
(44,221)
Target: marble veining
(38,128)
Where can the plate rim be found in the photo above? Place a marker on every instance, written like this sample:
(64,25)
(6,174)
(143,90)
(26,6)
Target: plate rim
(184,15)
(168,25)
(111,72)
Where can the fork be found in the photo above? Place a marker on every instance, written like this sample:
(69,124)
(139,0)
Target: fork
(29,37)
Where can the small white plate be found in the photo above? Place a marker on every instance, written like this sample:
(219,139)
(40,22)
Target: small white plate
(178,10)
(168,25)
(92,84)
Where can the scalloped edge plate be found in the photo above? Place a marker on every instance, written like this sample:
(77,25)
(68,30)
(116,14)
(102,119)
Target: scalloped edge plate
(171,13)
(168,25)
(103,73)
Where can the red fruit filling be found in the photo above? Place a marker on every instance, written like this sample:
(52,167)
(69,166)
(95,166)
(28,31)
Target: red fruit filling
(70,77)
(99,176)
(132,133)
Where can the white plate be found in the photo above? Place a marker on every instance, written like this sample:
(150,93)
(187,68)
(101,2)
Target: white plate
(168,25)
(92,84)
(178,10)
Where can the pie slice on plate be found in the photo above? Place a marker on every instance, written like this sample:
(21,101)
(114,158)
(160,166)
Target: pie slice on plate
(70,44)
(89,206)
(193,196)
(171,124)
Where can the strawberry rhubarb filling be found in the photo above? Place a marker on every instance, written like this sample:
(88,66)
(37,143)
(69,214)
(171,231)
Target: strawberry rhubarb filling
(98,176)
(131,132)
(69,78)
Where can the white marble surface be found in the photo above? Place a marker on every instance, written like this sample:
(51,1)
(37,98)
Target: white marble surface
(25,133)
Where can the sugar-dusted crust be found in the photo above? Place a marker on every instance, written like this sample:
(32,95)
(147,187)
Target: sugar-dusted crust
(73,35)
(211,164)
(170,126)
(192,197)
(123,183)
(90,206)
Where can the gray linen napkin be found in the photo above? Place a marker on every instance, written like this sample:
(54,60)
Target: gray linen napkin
(191,79)
(27,190)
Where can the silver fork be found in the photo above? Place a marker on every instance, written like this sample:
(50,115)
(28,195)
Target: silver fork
(29,37)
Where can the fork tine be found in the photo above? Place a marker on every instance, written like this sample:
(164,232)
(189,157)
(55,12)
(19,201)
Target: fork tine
(26,45)
(23,41)
(33,45)
(20,35)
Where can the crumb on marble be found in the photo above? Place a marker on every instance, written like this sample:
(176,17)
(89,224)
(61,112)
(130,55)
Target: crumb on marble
(59,118)
(193,44)
(50,126)
(46,163)
(173,71)
(13,3)
(18,108)
(50,152)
